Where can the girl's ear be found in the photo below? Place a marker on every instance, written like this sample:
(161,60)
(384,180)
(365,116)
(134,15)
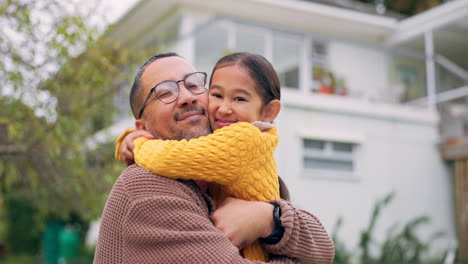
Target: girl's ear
(140,124)
(271,111)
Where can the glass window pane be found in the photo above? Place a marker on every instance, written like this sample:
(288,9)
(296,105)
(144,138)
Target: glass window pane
(448,80)
(250,39)
(329,165)
(210,45)
(319,49)
(408,79)
(286,50)
(314,144)
(319,59)
(342,147)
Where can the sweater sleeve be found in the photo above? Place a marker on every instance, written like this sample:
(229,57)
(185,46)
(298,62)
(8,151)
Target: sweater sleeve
(118,142)
(219,157)
(304,237)
(156,231)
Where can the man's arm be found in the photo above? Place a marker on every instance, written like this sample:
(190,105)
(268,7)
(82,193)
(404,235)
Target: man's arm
(168,228)
(304,236)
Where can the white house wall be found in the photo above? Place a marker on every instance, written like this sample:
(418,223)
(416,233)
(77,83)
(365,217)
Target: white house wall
(395,155)
(365,70)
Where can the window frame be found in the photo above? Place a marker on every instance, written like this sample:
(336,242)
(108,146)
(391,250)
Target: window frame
(233,27)
(300,38)
(328,138)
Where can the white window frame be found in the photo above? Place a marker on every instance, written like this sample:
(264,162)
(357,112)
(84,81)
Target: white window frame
(232,27)
(328,137)
(314,57)
(300,38)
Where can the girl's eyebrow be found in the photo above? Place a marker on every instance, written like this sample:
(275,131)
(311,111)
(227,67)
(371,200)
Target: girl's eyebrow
(216,87)
(236,90)
(242,91)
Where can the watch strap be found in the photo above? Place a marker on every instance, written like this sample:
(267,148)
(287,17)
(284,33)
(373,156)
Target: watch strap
(278,231)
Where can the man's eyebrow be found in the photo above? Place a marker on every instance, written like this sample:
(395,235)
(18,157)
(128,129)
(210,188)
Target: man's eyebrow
(185,76)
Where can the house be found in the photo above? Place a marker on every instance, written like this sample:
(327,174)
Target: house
(360,95)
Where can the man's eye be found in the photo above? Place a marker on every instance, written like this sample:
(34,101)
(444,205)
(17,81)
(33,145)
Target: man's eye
(192,85)
(164,94)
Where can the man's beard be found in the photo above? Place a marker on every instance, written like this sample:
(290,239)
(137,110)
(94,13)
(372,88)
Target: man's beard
(196,131)
(197,128)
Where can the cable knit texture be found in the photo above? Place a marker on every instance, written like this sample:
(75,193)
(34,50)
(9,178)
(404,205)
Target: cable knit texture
(239,157)
(119,140)
(153,219)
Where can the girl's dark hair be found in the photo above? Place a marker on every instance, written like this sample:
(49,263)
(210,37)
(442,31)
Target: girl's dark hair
(284,192)
(266,82)
(260,71)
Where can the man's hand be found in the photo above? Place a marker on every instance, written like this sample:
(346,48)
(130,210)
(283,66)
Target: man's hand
(127,146)
(243,222)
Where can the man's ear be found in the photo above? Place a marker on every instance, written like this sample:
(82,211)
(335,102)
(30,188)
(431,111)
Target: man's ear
(140,124)
(271,111)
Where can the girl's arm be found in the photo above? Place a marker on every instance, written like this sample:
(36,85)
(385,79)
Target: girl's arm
(120,142)
(124,144)
(219,157)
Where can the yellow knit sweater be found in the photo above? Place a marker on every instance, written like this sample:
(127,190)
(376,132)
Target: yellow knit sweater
(239,158)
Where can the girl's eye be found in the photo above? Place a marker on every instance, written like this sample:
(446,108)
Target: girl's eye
(239,99)
(216,95)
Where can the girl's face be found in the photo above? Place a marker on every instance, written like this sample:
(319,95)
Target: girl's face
(233,98)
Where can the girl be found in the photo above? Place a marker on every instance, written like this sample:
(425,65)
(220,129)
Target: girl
(237,159)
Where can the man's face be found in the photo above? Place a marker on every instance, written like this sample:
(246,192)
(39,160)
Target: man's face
(185,118)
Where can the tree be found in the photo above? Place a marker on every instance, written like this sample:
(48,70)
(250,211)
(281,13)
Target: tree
(406,7)
(58,78)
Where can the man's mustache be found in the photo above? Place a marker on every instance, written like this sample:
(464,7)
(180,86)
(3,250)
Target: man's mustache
(190,109)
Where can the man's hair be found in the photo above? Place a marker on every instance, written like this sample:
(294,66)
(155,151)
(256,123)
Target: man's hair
(136,96)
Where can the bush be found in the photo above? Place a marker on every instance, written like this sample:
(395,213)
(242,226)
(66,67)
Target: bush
(401,246)
(23,227)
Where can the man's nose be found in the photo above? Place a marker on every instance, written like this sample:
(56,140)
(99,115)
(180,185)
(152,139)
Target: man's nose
(185,96)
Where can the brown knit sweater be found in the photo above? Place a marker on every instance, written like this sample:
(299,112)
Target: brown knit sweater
(153,219)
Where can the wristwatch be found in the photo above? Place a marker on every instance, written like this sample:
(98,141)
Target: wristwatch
(278,231)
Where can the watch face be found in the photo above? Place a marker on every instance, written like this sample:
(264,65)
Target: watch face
(277,214)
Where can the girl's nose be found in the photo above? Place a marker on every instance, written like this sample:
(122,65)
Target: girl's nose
(225,109)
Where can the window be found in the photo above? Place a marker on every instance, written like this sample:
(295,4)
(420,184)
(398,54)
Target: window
(250,39)
(408,76)
(327,158)
(286,48)
(211,43)
(319,54)
(321,77)
(224,36)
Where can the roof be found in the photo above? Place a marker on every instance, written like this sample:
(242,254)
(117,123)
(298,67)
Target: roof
(299,15)
(449,22)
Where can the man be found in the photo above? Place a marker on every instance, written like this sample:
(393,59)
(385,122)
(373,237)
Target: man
(152,219)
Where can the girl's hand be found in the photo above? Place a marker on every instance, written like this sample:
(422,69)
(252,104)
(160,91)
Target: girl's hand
(242,221)
(127,146)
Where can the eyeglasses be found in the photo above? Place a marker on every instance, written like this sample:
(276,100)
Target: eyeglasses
(168,91)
